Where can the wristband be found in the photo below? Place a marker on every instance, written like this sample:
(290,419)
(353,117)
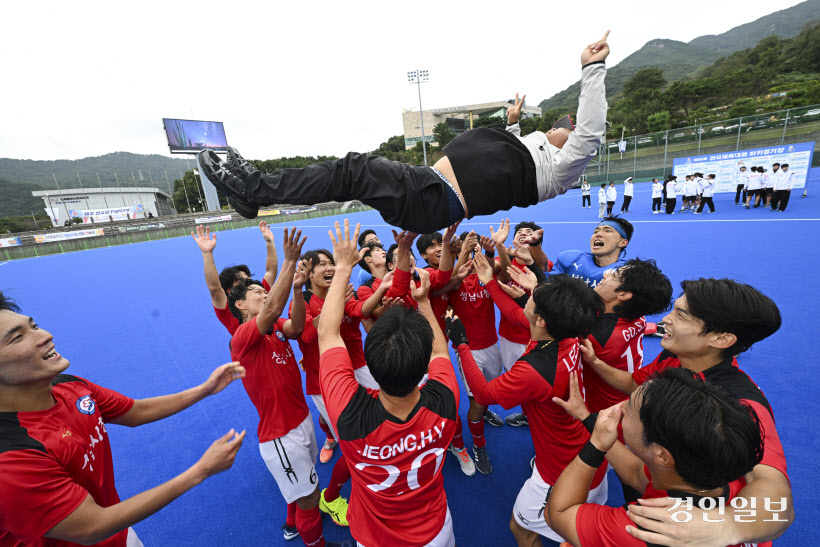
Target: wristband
(511,124)
(591,455)
(489,254)
(589,421)
(593,63)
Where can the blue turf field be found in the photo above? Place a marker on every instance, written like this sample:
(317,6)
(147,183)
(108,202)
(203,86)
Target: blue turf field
(137,319)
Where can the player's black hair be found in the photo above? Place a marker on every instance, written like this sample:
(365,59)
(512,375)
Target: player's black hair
(775,163)
(238,293)
(230,275)
(390,250)
(532,226)
(463,235)
(713,437)
(627,228)
(651,289)
(655,179)
(754,168)
(712,175)
(743,167)
(570,308)
(369,246)
(726,306)
(7,303)
(397,350)
(425,240)
(314,256)
(364,234)
(784,165)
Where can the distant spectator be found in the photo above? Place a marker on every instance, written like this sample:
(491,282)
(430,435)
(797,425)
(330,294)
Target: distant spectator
(585,199)
(150,214)
(782,188)
(627,195)
(657,196)
(708,191)
(741,180)
(611,197)
(671,195)
(602,200)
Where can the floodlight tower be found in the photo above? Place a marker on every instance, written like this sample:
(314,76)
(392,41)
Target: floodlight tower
(419,77)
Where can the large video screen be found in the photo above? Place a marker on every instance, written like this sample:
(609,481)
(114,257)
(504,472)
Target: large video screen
(191,136)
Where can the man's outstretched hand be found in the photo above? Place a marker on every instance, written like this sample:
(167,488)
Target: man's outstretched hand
(514,113)
(596,51)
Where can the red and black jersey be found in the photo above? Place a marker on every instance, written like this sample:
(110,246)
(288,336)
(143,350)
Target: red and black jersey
(272,378)
(472,303)
(399,289)
(539,375)
(438,280)
(513,331)
(617,342)
(731,378)
(350,328)
(603,526)
(51,460)
(397,491)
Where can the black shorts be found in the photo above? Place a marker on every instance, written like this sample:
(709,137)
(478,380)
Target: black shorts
(689,198)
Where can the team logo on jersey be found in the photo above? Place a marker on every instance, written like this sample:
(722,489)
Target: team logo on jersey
(86,404)
(280,336)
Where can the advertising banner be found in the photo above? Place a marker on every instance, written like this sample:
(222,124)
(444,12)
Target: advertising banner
(141,227)
(726,165)
(63,236)
(10,242)
(203,220)
(106,215)
(268,213)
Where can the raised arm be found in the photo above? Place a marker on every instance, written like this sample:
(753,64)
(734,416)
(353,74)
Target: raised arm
(156,408)
(295,324)
(206,244)
(569,164)
(271,260)
(617,378)
(500,237)
(420,296)
(90,524)
(514,115)
(278,296)
(346,257)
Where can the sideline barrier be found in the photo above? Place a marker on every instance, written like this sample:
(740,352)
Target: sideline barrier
(153,229)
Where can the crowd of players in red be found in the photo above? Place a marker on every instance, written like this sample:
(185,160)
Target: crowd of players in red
(687,432)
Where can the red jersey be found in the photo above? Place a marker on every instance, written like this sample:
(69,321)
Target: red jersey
(602,526)
(52,459)
(539,375)
(272,378)
(472,304)
(617,342)
(350,328)
(728,375)
(309,346)
(226,317)
(508,329)
(399,289)
(438,280)
(397,491)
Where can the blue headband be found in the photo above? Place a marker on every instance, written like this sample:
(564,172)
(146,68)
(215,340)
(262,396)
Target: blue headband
(615,226)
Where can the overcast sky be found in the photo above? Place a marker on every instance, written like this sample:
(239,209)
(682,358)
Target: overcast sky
(299,78)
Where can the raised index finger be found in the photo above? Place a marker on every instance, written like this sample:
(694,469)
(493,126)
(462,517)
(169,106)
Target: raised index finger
(606,34)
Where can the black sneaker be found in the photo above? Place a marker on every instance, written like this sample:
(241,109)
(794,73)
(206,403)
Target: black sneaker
(244,208)
(517,420)
(290,532)
(236,161)
(482,460)
(230,180)
(492,418)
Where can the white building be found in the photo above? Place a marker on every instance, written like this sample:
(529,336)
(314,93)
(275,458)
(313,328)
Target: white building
(458,119)
(94,205)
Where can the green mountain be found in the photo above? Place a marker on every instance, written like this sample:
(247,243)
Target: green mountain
(679,60)
(42,173)
(17,199)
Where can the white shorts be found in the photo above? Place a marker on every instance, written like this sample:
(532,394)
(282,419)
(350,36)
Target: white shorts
(488,361)
(510,352)
(528,510)
(445,538)
(319,402)
(131,540)
(364,378)
(291,459)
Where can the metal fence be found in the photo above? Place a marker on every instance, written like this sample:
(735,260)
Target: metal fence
(651,155)
(122,233)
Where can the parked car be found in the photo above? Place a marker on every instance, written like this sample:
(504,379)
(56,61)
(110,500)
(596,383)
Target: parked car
(717,129)
(813,112)
(644,140)
(758,124)
(678,135)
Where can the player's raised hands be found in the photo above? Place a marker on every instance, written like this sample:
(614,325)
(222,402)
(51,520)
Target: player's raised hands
(512,291)
(450,232)
(302,273)
(514,113)
(487,243)
(264,228)
(454,329)
(345,253)
(292,244)
(525,278)
(404,239)
(351,292)
(588,354)
(387,280)
(455,245)
(388,303)
(222,377)
(500,237)
(465,270)
(470,242)
(606,427)
(521,252)
(420,293)
(574,405)
(596,51)
(221,454)
(483,268)
(203,239)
